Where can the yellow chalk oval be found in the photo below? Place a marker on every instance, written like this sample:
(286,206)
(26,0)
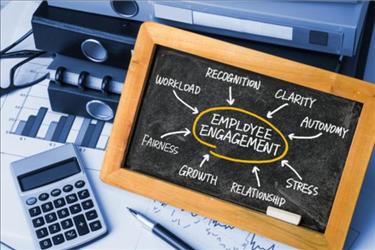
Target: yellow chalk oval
(234,159)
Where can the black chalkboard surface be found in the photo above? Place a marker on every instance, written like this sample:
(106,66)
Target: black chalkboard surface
(241,136)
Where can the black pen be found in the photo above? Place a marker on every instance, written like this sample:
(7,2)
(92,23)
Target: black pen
(161,231)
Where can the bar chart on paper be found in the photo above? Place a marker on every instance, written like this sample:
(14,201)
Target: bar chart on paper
(88,133)
(31,117)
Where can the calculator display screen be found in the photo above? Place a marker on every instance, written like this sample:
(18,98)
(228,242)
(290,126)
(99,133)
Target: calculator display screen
(49,174)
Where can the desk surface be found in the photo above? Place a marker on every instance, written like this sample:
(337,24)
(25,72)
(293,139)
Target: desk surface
(124,230)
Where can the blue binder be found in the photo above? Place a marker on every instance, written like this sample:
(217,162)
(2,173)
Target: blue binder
(330,27)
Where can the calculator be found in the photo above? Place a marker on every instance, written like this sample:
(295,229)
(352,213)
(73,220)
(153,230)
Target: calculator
(57,198)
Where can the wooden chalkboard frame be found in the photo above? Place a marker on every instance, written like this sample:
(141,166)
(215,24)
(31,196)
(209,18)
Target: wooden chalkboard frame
(150,36)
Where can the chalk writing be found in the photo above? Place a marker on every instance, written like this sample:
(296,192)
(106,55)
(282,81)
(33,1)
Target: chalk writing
(295,98)
(167,147)
(224,76)
(324,126)
(255,193)
(179,85)
(196,174)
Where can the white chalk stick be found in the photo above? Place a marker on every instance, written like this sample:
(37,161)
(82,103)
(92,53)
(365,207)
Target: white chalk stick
(283,215)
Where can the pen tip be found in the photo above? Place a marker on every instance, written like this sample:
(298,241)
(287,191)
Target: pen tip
(133,212)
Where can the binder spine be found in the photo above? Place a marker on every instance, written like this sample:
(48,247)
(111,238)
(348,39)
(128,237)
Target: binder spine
(82,101)
(84,80)
(94,95)
(90,37)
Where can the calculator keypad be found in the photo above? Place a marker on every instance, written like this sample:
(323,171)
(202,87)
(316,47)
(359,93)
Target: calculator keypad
(90,215)
(87,204)
(67,188)
(51,217)
(71,234)
(79,184)
(31,201)
(66,214)
(76,208)
(41,233)
(37,222)
(34,211)
(81,224)
(59,202)
(62,213)
(47,206)
(67,223)
(96,225)
(58,239)
(43,197)
(54,228)
(56,192)
(71,198)
(44,244)
(83,194)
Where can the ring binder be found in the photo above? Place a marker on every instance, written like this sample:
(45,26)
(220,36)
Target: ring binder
(67,70)
(82,79)
(87,102)
(94,38)
(105,84)
(59,74)
(93,89)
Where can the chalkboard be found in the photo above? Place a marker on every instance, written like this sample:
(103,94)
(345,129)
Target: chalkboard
(241,136)
(237,136)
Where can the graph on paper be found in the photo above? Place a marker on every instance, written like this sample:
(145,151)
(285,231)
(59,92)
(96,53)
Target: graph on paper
(88,134)
(33,118)
(216,235)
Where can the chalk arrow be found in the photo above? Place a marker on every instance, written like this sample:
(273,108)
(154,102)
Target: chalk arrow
(206,157)
(230,101)
(255,172)
(286,163)
(185,132)
(292,136)
(270,113)
(195,110)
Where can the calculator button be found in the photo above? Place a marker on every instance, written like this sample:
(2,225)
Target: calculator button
(34,211)
(54,228)
(75,209)
(59,202)
(90,215)
(43,196)
(58,239)
(71,198)
(79,184)
(31,201)
(81,224)
(87,204)
(40,233)
(62,213)
(51,217)
(37,222)
(71,234)
(47,207)
(83,194)
(96,225)
(67,223)
(56,192)
(67,188)
(44,244)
